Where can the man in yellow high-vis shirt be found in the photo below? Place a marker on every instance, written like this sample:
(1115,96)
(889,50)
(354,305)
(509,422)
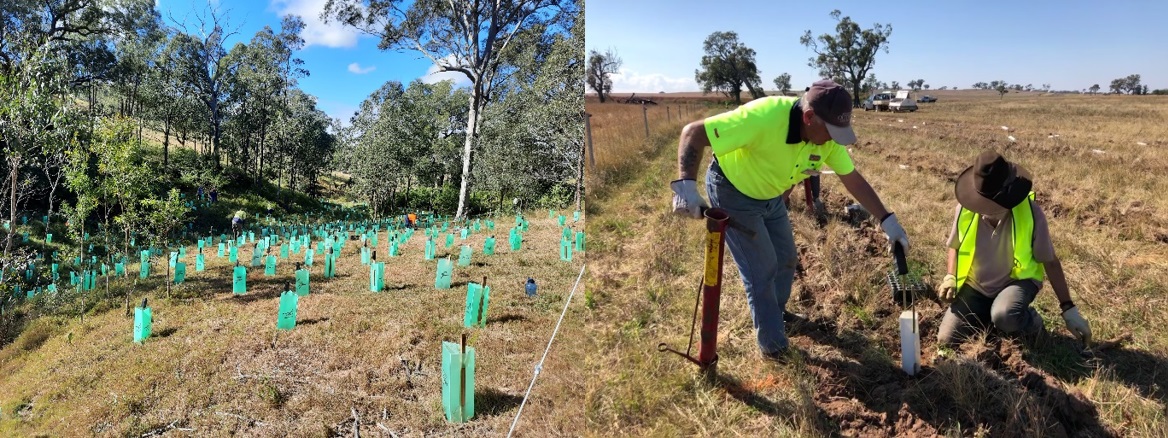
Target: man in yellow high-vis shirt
(761,150)
(999,253)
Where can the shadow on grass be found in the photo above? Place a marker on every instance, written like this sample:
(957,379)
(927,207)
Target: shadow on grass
(491,402)
(510,317)
(1060,356)
(768,407)
(312,321)
(165,332)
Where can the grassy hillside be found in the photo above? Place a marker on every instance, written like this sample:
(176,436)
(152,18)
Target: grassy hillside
(1098,161)
(216,365)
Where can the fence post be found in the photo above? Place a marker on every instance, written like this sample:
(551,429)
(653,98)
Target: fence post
(588,132)
(667,118)
(645,117)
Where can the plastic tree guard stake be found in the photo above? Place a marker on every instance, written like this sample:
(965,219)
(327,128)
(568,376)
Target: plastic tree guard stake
(364,256)
(376,276)
(393,249)
(182,251)
(910,343)
(221,248)
(516,241)
(444,274)
(464,256)
(200,263)
(579,241)
(458,366)
(48,238)
(145,270)
(270,266)
(239,280)
(430,249)
(202,243)
(119,270)
(286,320)
(449,240)
(477,298)
(301,281)
(308,257)
(561,220)
(567,234)
(489,246)
(373,240)
(180,272)
(462,234)
(173,258)
(233,255)
(284,251)
(143,320)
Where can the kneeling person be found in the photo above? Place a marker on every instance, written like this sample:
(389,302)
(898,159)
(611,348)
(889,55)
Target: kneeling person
(999,253)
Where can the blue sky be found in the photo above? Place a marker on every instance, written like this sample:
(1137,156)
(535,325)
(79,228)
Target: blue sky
(344,66)
(1068,44)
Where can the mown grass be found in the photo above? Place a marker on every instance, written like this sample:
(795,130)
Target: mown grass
(218,367)
(1099,189)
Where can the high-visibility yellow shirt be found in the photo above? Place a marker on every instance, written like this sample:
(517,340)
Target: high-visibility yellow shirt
(760,150)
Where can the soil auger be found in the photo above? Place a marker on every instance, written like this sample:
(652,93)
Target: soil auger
(709,293)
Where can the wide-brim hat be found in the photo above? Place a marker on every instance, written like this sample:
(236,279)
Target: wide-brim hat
(992,185)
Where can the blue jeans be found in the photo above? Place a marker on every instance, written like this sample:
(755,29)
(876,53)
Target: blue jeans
(766,262)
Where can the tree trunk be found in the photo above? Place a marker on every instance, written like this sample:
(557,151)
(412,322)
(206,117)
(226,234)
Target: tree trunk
(166,141)
(14,166)
(579,176)
(467,149)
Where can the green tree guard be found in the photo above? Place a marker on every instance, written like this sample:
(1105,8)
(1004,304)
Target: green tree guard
(182,251)
(270,266)
(145,270)
(289,302)
(561,220)
(284,251)
(200,263)
(308,257)
(477,299)
(462,234)
(444,274)
(579,241)
(551,214)
(516,241)
(464,256)
(430,249)
(364,255)
(458,367)
(567,234)
(301,281)
(221,248)
(489,246)
(233,256)
(576,216)
(330,265)
(56,274)
(393,249)
(202,243)
(376,276)
(180,272)
(143,322)
(566,250)
(449,240)
(119,269)
(239,280)
(48,238)
(173,259)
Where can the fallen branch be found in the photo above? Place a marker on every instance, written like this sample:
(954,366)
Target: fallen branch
(356,423)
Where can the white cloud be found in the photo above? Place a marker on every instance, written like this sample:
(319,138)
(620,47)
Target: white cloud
(357,69)
(433,76)
(316,32)
(628,81)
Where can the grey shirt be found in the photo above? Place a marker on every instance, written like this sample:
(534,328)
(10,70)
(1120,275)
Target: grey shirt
(994,253)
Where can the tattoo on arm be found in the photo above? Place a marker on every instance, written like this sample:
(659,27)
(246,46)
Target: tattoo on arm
(689,152)
(690,159)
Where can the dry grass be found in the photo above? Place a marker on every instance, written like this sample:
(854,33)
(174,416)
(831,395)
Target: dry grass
(1109,225)
(218,366)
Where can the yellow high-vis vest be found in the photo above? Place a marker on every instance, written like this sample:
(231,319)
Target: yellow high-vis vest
(1025,267)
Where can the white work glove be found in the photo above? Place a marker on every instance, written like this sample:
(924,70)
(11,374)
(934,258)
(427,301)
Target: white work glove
(686,200)
(1077,325)
(895,232)
(947,291)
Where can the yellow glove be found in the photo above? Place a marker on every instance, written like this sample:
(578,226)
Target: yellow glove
(947,291)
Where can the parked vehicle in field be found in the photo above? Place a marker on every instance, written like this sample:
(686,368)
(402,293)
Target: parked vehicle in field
(902,102)
(878,101)
(926,99)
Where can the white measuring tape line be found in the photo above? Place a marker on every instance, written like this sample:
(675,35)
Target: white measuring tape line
(539,366)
